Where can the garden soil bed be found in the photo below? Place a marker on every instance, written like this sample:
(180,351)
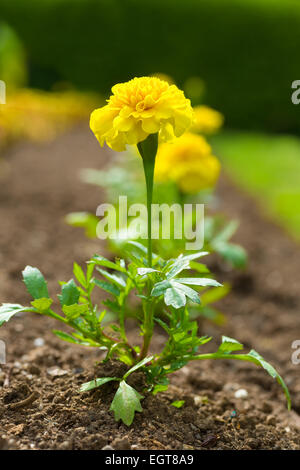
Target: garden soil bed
(41,407)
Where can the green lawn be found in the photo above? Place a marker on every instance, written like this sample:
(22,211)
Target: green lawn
(268,167)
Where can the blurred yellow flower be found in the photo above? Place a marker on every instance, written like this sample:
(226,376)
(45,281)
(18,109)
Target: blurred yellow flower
(142,106)
(188,162)
(207,120)
(38,115)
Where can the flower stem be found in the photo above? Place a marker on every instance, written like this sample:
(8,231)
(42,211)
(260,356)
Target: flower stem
(148,150)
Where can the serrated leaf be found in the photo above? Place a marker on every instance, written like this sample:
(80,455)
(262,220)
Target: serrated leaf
(174,297)
(69,293)
(7,311)
(177,267)
(42,305)
(125,403)
(35,282)
(79,274)
(138,366)
(108,287)
(198,281)
(74,311)
(229,344)
(188,292)
(160,288)
(96,383)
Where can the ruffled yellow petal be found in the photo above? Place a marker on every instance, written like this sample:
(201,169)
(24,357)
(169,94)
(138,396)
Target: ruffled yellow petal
(140,107)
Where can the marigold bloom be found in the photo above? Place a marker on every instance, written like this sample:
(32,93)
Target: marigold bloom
(142,106)
(207,120)
(188,162)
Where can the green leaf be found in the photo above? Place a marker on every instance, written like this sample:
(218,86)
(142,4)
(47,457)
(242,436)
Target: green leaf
(197,255)
(143,271)
(175,297)
(226,233)
(69,293)
(199,267)
(209,313)
(35,282)
(70,339)
(79,274)
(233,253)
(101,261)
(96,383)
(229,344)
(198,281)
(214,295)
(160,288)
(74,311)
(258,359)
(176,268)
(42,305)
(125,403)
(188,292)
(178,403)
(85,220)
(160,388)
(118,280)
(108,287)
(7,311)
(138,366)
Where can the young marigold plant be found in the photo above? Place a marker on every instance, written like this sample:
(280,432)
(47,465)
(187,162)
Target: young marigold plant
(166,289)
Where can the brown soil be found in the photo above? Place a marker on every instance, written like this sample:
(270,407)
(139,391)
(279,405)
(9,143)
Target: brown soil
(41,407)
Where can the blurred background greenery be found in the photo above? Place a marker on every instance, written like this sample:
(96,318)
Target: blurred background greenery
(238,56)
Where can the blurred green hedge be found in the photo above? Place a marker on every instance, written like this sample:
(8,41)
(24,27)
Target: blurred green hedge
(245,50)
(12,58)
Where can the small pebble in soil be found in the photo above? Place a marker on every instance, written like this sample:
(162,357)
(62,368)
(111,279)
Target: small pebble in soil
(241,393)
(107,448)
(38,342)
(56,371)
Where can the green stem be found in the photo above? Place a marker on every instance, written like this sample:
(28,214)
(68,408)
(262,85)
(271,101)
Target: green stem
(149,175)
(148,150)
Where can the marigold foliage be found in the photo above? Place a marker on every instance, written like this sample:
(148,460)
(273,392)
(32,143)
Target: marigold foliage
(188,162)
(142,106)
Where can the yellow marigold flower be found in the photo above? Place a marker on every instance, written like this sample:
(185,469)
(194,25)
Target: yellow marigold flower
(188,162)
(142,106)
(207,120)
